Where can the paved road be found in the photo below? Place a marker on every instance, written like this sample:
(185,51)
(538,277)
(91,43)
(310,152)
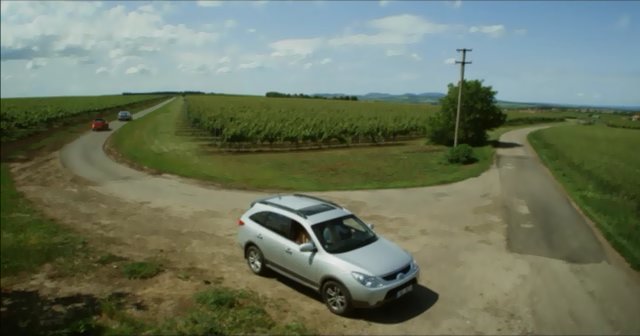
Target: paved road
(503,253)
(541,219)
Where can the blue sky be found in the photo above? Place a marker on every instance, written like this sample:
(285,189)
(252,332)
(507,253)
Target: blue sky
(536,51)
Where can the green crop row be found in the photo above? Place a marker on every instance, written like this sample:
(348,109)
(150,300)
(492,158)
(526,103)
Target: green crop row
(624,123)
(267,121)
(603,180)
(20,115)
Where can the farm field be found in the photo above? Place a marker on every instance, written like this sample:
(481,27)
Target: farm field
(34,245)
(152,142)
(20,117)
(599,166)
(242,121)
(532,116)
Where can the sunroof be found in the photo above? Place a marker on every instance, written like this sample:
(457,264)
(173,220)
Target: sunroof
(316,209)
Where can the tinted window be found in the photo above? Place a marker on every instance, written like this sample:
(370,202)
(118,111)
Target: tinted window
(278,224)
(260,217)
(275,222)
(343,234)
(298,233)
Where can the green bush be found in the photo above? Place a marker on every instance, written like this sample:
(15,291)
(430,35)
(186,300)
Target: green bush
(142,270)
(479,113)
(462,154)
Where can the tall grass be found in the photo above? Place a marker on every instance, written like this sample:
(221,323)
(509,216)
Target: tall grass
(599,167)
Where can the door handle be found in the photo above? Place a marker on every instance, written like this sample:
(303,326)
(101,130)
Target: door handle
(259,236)
(288,251)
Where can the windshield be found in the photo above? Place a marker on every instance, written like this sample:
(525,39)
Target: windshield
(343,234)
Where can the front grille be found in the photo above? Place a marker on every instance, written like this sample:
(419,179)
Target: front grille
(393,275)
(392,293)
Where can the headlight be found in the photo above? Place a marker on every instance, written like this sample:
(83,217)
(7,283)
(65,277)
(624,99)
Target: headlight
(414,264)
(367,280)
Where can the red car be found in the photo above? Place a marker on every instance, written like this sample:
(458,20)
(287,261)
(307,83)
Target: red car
(99,124)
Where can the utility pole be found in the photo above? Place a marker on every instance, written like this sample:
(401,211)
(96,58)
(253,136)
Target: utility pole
(462,64)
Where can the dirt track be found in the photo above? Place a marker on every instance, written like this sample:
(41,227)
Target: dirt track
(482,272)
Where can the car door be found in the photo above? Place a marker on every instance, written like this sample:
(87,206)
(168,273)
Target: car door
(269,235)
(304,266)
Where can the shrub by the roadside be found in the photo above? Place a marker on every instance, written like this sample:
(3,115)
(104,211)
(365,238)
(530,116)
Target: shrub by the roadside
(142,270)
(461,154)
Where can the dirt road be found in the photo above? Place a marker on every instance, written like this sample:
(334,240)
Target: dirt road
(503,253)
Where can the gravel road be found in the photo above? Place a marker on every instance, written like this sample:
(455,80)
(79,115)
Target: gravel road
(503,253)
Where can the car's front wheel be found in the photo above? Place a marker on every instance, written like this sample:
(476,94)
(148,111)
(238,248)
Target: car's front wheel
(336,297)
(255,260)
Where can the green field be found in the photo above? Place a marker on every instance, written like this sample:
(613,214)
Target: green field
(599,167)
(20,117)
(153,141)
(243,121)
(533,116)
(29,240)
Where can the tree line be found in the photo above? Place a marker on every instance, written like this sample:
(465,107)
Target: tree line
(274,94)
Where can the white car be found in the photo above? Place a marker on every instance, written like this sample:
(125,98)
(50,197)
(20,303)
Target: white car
(324,246)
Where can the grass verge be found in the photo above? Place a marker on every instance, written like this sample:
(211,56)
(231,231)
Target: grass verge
(142,269)
(217,311)
(153,142)
(28,238)
(603,180)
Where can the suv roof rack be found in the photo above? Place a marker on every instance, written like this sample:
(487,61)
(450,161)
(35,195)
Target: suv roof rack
(319,199)
(282,207)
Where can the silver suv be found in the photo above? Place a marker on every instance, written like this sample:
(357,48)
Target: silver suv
(324,246)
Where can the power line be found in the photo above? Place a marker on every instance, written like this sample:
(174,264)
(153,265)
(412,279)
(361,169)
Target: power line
(462,64)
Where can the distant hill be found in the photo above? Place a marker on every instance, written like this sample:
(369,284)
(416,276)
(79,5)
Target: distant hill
(434,98)
(427,97)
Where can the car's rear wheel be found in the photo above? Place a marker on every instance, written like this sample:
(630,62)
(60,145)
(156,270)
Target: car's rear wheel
(336,297)
(255,260)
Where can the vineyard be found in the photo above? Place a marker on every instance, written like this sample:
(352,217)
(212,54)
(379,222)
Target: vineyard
(250,122)
(20,117)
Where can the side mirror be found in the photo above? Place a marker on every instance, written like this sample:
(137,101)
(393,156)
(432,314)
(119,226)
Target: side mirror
(370,226)
(308,247)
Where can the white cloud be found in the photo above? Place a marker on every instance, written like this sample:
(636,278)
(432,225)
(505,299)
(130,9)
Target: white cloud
(74,29)
(209,3)
(450,61)
(259,3)
(580,94)
(224,60)
(35,64)
(102,70)
(326,61)
(295,47)
(147,8)
(250,65)
(623,22)
(139,69)
(251,30)
(394,52)
(230,23)
(397,29)
(456,3)
(307,66)
(223,70)
(6,77)
(492,31)
(383,3)
(116,53)
(416,57)
(520,32)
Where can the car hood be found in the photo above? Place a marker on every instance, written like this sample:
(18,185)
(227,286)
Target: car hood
(378,258)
